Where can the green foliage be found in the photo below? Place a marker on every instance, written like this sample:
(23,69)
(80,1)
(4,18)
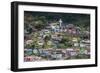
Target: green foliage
(65,42)
(62,46)
(37,22)
(47,38)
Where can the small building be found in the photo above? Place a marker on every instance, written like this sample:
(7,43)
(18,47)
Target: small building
(71,52)
(40,42)
(85,43)
(73,30)
(76,44)
(82,45)
(28,58)
(75,39)
(28,52)
(28,41)
(57,55)
(36,51)
(53,36)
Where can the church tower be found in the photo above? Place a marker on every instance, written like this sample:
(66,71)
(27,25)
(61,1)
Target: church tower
(60,22)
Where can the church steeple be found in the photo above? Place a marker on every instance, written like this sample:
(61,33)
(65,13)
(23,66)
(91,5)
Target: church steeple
(60,22)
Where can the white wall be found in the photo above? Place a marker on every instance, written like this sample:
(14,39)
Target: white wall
(5,17)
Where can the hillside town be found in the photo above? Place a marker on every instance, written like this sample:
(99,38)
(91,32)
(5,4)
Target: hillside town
(57,42)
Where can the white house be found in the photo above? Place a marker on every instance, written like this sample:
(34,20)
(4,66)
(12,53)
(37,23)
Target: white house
(76,44)
(82,45)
